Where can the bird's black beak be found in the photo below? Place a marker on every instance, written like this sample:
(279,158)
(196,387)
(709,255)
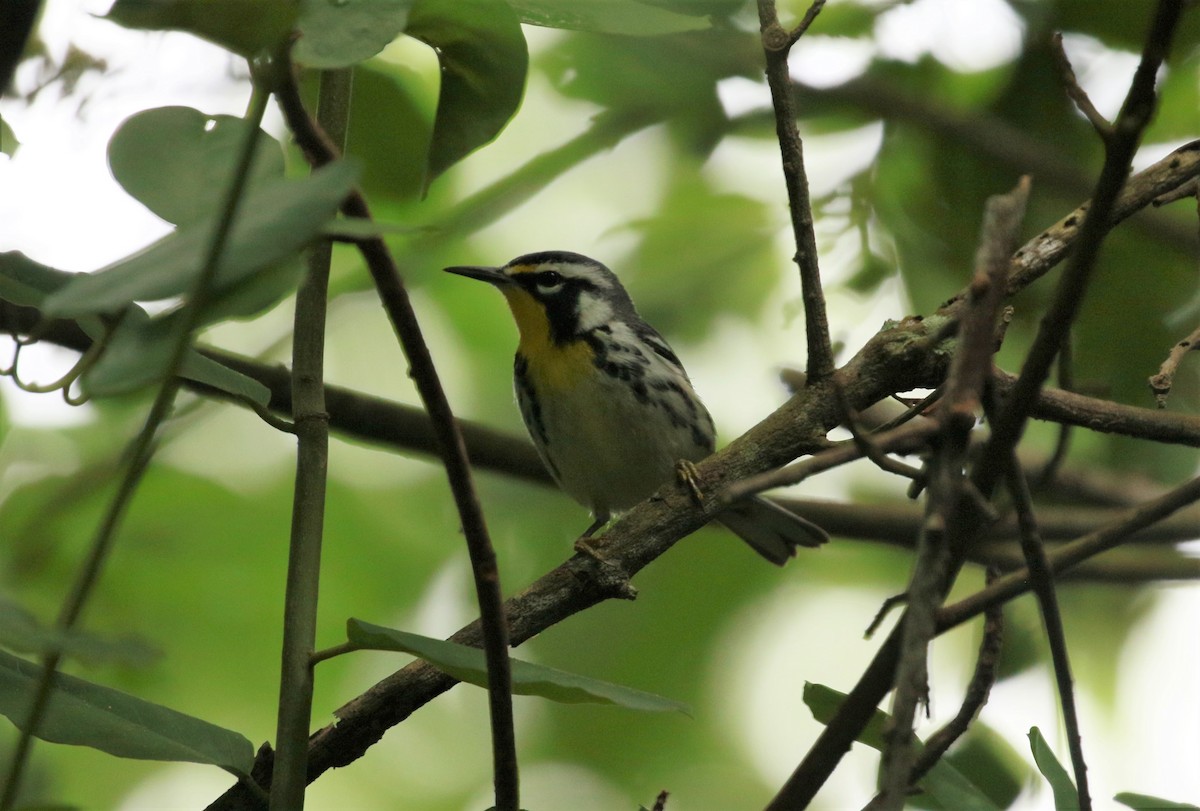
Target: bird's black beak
(484,274)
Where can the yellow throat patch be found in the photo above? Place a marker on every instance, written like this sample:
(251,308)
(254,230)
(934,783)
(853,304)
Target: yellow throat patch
(552,366)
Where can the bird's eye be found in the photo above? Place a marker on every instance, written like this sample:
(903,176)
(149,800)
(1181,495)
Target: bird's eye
(549,280)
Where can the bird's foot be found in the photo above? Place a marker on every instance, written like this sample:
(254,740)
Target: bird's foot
(689,477)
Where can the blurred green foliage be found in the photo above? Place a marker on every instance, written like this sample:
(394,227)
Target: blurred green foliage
(629,148)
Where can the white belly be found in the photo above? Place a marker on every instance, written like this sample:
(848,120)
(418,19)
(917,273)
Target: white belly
(607,449)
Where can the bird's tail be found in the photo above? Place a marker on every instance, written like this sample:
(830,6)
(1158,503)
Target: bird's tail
(770,530)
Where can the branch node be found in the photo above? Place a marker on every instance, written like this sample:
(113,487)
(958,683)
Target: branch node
(606,577)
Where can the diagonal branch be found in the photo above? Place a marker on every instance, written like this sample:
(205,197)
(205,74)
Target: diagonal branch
(1042,584)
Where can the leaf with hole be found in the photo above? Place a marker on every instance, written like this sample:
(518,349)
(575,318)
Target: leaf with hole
(178,162)
(81,713)
(467,664)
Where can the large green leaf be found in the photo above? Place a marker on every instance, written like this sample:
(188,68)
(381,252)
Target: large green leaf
(628,17)
(85,714)
(275,221)
(246,27)
(467,664)
(178,162)
(944,783)
(339,33)
(1066,796)
(483,58)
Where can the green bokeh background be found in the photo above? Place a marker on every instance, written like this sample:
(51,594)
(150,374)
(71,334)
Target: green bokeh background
(622,150)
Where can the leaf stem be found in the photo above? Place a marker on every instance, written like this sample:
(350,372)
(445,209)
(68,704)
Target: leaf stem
(311,420)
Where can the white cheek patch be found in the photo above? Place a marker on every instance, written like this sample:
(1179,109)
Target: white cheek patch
(592,311)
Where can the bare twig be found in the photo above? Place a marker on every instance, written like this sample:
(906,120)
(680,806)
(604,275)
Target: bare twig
(1070,408)
(978,689)
(953,505)
(1078,95)
(1056,322)
(867,446)
(777,44)
(1042,583)
(1072,554)
(1062,445)
(394,296)
(1161,383)
(908,438)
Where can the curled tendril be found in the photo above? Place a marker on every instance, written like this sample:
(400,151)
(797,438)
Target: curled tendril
(86,361)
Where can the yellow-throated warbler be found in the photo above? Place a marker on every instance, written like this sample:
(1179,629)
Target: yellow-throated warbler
(607,402)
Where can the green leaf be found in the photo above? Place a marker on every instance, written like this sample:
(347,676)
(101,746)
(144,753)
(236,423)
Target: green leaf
(246,27)
(1066,797)
(1144,802)
(628,17)
(26,282)
(944,783)
(178,162)
(339,33)
(81,713)
(467,664)
(275,221)
(8,139)
(483,58)
(21,631)
(139,351)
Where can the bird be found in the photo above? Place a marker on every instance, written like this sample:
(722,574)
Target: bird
(606,400)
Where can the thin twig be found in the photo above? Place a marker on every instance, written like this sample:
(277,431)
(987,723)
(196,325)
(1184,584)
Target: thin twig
(1068,298)
(1062,445)
(311,421)
(394,296)
(1072,554)
(869,448)
(977,692)
(1042,583)
(952,504)
(1161,383)
(1078,95)
(776,45)
(908,438)
(809,18)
